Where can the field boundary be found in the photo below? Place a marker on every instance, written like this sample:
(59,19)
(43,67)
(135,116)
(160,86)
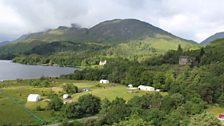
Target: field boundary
(18,103)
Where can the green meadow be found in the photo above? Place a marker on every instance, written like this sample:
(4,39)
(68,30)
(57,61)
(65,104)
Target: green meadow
(13,94)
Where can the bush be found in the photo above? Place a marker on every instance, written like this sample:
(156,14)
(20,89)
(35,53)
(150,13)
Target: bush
(70,88)
(55,103)
(72,110)
(89,104)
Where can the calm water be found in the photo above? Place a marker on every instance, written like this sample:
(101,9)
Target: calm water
(13,71)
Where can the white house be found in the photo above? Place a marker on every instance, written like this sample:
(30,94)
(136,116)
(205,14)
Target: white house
(103,63)
(104,81)
(130,86)
(33,98)
(146,88)
(65,96)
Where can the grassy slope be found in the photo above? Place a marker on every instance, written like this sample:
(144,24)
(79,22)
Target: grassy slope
(127,38)
(149,47)
(215,110)
(11,113)
(20,90)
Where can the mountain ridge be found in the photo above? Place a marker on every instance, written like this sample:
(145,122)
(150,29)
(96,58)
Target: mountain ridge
(218,35)
(110,30)
(128,38)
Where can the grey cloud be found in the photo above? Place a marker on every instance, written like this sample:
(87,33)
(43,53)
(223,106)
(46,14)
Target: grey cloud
(189,19)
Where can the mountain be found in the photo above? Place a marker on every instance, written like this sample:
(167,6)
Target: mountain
(123,30)
(129,38)
(4,43)
(214,37)
(214,52)
(117,30)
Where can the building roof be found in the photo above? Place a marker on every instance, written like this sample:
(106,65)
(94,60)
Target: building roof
(34,95)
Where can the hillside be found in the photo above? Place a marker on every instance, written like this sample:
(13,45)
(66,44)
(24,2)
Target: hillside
(214,37)
(129,38)
(4,43)
(117,30)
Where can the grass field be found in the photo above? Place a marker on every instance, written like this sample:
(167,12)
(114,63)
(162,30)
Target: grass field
(216,110)
(13,113)
(17,110)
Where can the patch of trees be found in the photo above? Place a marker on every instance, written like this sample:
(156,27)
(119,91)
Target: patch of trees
(55,103)
(151,109)
(86,105)
(154,109)
(205,81)
(70,88)
(39,83)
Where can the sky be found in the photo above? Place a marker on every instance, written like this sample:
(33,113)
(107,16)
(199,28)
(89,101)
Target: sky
(190,19)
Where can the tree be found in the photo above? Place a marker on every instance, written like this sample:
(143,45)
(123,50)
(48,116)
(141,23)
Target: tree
(55,103)
(117,111)
(154,115)
(89,104)
(177,117)
(105,104)
(194,108)
(220,100)
(202,52)
(170,102)
(204,119)
(179,49)
(72,110)
(133,121)
(70,88)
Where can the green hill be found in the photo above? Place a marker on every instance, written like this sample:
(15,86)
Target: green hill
(128,38)
(117,30)
(216,36)
(213,52)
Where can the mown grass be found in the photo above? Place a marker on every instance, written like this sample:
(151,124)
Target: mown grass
(12,113)
(215,110)
(14,101)
(111,93)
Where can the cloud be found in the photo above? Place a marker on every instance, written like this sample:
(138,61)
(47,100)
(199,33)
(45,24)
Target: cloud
(189,19)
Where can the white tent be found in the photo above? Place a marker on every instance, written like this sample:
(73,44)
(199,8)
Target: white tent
(65,96)
(103,63)
(104,81)
(146,88)
(130,86)
(33,97)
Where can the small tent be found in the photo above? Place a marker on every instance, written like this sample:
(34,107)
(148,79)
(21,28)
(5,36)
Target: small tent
(130,86)
(103,63)
(33,98)
(65,96)
(104,81)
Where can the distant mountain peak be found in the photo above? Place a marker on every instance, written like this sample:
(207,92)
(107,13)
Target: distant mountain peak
(212,38)
(116,30)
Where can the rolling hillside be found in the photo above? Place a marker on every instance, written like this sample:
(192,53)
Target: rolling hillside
(4,43)
(128,38)
(214,37)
